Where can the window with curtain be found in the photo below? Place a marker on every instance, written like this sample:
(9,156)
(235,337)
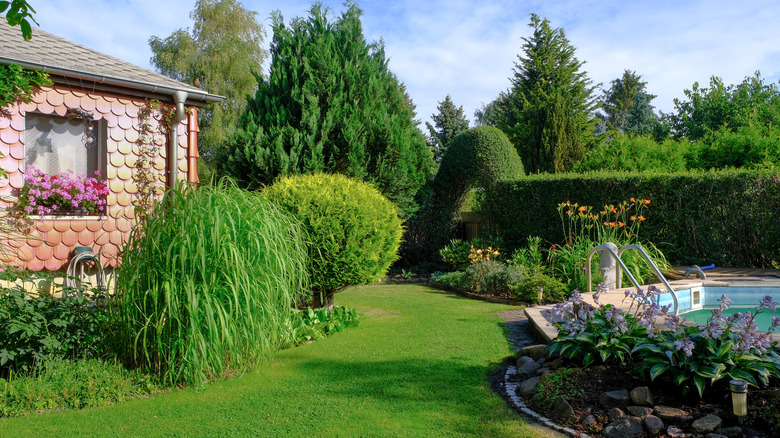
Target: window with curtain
(57,144)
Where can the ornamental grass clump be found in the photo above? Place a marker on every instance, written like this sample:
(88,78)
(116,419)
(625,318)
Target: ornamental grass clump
(689,355)
(207,284)
(63,193)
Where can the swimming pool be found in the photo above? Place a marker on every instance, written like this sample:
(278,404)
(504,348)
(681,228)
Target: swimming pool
(696,303)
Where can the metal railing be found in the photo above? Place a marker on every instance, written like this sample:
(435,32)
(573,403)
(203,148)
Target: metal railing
(622,267)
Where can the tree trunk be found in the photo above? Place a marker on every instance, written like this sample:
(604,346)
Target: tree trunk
(322,299)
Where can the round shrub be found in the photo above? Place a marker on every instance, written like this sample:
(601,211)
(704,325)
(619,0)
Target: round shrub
(554,291)
(354,230)
(492,277)
(207,284)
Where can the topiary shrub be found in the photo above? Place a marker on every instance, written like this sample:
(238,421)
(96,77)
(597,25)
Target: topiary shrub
(354,230)
(476,158)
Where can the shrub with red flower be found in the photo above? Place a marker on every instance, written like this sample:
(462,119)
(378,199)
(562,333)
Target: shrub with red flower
(62,194)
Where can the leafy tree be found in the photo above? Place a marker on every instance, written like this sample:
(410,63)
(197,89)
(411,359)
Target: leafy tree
(548,111)
(448,123)
(221,52)
(707,110)
(332,105)
(618,102)
(16,13)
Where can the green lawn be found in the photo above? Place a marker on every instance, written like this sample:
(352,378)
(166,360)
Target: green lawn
(415,366)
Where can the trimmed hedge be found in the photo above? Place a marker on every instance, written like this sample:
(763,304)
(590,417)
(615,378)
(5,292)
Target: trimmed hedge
(726,217)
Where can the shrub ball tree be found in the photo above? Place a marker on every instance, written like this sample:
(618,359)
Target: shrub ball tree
(353,229)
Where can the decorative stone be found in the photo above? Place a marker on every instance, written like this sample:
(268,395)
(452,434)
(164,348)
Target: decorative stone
(715,435)
(675,432)
(671,415)
(527,367)
(542,371)
(588,420)
(653,424)
(626,427)
(535,352)
(642,396)
(562,410)
(526,388)
(639,411)
(615,414)
(555,364)
(730,432)
(707,424)
(614,399)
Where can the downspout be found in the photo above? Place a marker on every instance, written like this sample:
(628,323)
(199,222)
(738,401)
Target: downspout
(179,97)
(192,154)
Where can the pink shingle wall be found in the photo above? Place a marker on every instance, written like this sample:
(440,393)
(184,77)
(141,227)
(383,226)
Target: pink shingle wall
(51,241)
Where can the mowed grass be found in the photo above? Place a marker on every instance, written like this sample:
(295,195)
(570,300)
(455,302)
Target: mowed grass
(415,366)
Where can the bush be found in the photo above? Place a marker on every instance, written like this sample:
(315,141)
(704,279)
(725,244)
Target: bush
(553,290)
(71,385)
(724,217)
(354,230)
(312,324)
(492,277)
(37,329)
(451,280)
(207,284)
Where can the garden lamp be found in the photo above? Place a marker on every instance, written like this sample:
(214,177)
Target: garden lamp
(739,397)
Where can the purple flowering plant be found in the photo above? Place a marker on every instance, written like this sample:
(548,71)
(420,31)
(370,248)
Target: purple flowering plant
(726,347)
(60,194)
(692,356)
(603,332)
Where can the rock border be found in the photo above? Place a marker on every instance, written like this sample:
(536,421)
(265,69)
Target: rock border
(511,392)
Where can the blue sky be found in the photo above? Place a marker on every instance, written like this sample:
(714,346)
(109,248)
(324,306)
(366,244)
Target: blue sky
(467,48)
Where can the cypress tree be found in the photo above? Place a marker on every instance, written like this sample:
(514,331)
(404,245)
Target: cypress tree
(548,112)
(448,123)
(332,105)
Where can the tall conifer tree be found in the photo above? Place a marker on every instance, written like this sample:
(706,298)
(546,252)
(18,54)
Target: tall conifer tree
(447,124)
(548,112)
(331,104)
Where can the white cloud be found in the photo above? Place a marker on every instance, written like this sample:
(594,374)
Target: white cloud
(467,49)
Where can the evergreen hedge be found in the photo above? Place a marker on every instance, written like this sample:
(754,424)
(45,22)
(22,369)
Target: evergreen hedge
(726,217)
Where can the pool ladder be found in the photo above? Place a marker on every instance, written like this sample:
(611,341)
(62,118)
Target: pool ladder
(618,278)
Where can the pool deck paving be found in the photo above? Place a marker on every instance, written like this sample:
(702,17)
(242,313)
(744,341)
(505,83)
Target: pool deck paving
(717,277)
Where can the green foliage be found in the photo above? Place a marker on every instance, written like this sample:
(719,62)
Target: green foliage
(37,329)
(457,252)
(16,13)
(636,154)
(552,289)
(547,114)
(206,286)
(724,217)
(748,146)
(492,277)
(447,124)
(17,83)
(354,230)
(451,280)
(706,110)
(557,384)
(71,385)
(221,52)
(529,259)
(313,324)
(332,105)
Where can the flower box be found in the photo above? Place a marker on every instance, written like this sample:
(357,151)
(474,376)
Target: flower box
(63,194)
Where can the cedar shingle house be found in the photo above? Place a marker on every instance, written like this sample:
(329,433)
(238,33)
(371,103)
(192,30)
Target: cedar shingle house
(48,133)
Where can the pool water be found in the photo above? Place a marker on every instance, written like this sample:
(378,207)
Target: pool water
(763,320)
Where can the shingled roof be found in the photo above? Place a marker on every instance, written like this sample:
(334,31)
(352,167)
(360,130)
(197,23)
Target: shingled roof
(61,57)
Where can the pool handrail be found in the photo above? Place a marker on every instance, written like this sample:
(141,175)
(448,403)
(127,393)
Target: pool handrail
(618,277)
(655,269)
